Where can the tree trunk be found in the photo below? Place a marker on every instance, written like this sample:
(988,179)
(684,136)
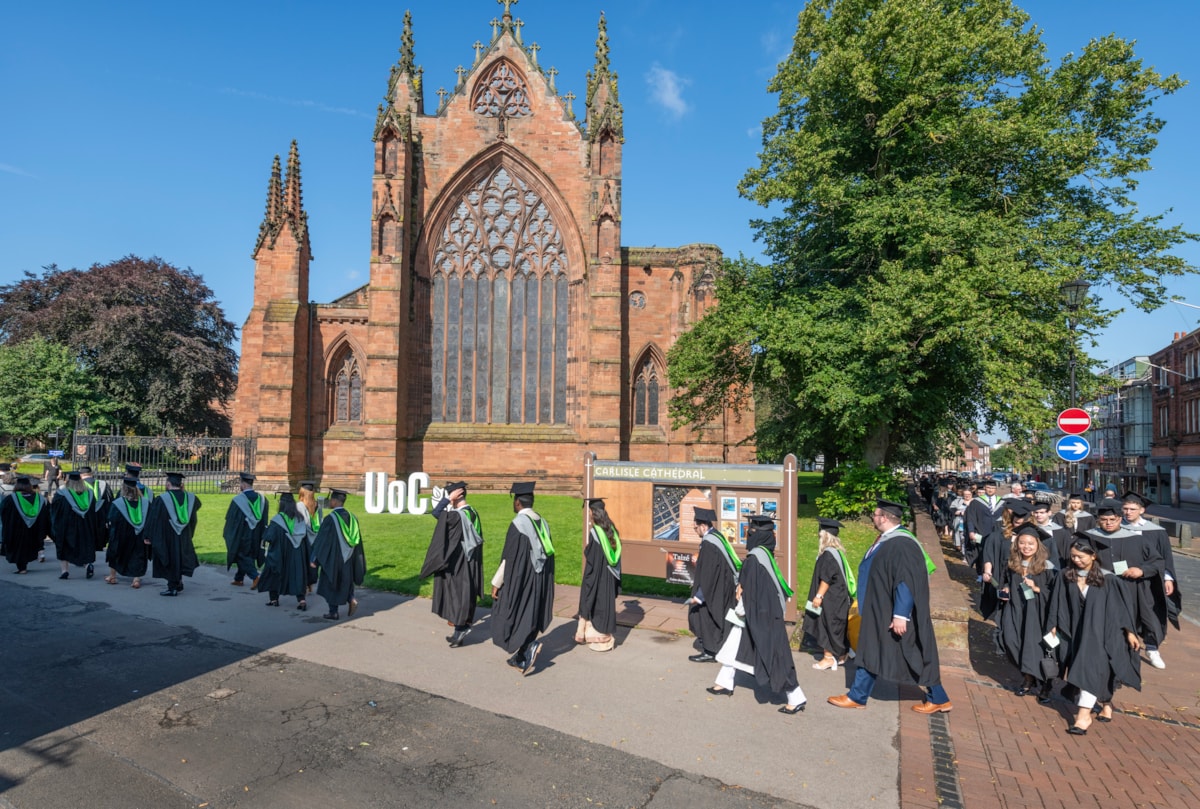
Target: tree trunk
(875,449)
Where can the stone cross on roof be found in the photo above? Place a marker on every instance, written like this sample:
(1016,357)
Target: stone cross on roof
(508,4)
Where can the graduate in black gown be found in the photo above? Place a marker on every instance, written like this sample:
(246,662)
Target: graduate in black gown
(762,648)
(1029,577)
(102,497)
(601,581)
(455,560)
(832,590)
(128,547)
(1055,537)
(25,524)
(896,640)
(1135,562)
(523,587)
(714,588)
(245,523)
(995,553)
(981,523)
(285,564)
(1164,589)
(1073,516)
(338,553)
(74,525)
(171,527)
(1098,646)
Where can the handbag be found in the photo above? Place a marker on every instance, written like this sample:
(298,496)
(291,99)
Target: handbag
(1049,666)
(853,625)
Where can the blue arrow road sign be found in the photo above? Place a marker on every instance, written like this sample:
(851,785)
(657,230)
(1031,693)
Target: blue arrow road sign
(1072,448)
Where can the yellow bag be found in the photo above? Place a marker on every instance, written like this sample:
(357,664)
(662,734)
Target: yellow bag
(853,625)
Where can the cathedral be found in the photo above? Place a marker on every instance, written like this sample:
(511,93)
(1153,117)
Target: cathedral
(505,331)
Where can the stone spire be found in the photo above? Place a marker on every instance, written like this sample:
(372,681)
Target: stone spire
(268,231)
(292,208)
(404,83)
(604,112)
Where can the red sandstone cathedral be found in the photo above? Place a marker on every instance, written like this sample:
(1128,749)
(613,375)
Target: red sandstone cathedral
(505,331)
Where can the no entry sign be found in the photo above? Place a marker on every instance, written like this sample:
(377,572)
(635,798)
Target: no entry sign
(1074,421)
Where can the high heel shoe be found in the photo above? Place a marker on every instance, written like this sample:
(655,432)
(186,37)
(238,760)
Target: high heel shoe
(792,711)
(826,664)
(719,692)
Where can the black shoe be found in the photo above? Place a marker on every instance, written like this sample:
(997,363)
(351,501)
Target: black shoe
(302,606)
(169,592)
(793,711)
(64,575)
(1043,696)
(91,571)
(1023,690)
(331,616)
(719,692)
(274,603)
(179,587)
(516,662)
(703,657)
(458,637)
(1077,731)
(533,653)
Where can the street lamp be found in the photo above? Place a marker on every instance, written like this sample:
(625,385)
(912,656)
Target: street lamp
(1074,295)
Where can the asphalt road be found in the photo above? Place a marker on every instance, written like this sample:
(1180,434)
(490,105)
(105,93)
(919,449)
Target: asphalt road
(115,697)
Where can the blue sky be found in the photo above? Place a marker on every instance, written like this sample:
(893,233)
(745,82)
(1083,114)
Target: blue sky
(149,127)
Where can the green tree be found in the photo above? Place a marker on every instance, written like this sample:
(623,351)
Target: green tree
(42,388)
(933,182)
(1006,457)
(155,341)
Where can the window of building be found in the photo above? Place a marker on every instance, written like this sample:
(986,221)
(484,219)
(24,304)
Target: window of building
(346,390)
(501,93)
(500,309)
(645,395)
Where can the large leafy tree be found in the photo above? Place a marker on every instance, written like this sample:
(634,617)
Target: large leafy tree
(42,389)
(150,334)
(933,182)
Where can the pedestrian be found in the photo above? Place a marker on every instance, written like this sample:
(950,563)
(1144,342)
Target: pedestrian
(74,525)
(597,616)
(762,647)
(830,594)
(455,560)
(309,508)
(980,525)
(714,587)
(896,639)
(1056,538)
(1029,577)
(523,587)
(1096,642)
(52,476)
(338,553)
(286,568)
(171,528)
(245,523)
(25,521)
(1164,590)
(128,548)
(996,553)
(1073,517)
(134,470)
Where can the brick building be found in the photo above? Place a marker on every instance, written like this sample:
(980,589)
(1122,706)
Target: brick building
(505,331)
(1173,469)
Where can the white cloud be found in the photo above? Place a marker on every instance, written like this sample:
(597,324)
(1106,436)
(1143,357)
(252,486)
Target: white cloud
(666,89)
(5,167)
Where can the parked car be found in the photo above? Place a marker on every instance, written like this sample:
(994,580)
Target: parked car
(1042,493)
(35,457)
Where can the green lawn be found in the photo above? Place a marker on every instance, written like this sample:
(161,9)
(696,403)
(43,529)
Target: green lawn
(395,543)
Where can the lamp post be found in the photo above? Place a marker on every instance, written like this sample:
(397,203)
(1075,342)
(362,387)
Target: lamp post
(1074,294)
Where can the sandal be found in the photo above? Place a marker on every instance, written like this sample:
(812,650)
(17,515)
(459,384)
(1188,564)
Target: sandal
(826,664)
(137,584)
(111,579)
(274,603)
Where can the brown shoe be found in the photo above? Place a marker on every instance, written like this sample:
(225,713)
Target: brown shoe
(237,583)
(254,584)
(931,708)
(844,701)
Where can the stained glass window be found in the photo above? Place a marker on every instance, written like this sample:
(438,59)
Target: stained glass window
(501,92)
(346,389)
(645,395)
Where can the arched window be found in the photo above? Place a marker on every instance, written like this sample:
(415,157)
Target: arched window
(645,395)
(345,390)
(501,93)
(500,309)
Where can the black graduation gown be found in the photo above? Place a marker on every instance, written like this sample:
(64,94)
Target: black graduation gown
(74,529)
(1083,521)
(338,573)
(716,582)
(457,576)
(1022,620)
(525,605)
(996,549)
(103,496)
(240,539)
(599,587)
(22,542)
(978,519)
(1091,632)
(913,656)
(172,549)
(1058,544)
(828,629)
(1139,551)
(1166,607)
(127,549)
(764,642)
(285,563)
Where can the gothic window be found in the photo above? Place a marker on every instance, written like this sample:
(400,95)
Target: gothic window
(500,309)
(501,93)
(645,395)
(346,390)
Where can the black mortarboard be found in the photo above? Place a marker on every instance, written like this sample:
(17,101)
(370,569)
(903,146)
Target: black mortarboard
(338,493)
(24,480)
(1019,508)
(705,515)
(246,477)
(990,482)
(456,485)
(829,525)
(522,488)
(591,501)
(1075,496)
(1030,529)
(1108,504)
(1134,497)
(87,470)
(74,476)
(308,484)
(130,480)
(1037,505)
(762,520)
(1083,538)
(894,509)
(175,478)
(134,469)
